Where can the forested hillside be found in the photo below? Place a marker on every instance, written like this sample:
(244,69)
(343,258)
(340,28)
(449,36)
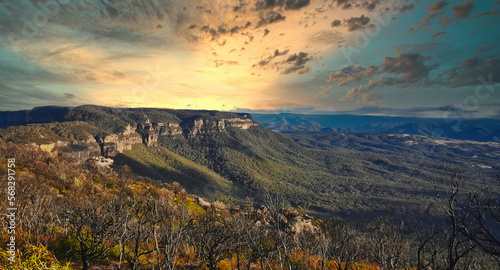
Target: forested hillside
(90,216)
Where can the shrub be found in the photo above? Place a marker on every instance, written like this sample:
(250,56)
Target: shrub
(31,257)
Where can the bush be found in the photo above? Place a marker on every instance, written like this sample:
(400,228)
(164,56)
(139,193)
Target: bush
(31,257)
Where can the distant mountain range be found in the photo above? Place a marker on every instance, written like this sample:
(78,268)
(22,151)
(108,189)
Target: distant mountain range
(482,130)
(232,157)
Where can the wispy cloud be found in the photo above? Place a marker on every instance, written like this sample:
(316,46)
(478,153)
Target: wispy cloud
(245,53)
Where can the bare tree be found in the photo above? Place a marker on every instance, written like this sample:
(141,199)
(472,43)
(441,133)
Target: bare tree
(431,247)
(241,224)
(212,237)
(170,233)
(137,238)
(282,235)
(483,222)
(255,236)
(92,221)
(457,245)
(479,220)
(323,241)
(305,244)
(121,229)
(387,244)
(36,211)
(345,244)
(472,221)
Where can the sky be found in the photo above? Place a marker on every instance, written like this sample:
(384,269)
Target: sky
(375,57)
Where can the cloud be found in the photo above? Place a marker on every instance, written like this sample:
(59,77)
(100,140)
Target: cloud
(410,70)
(405,70)
(462,11)
(418,47)
(278,53)
(324,92)
(288,4)
(426,20)
(437,6)
(352,74)
(485,48)
(107,44)
(438,34)
(112,11)
(347,6)
(336,23)
(26,96)
(326,37)
(459,11)
(340,2)
(69,96)
(357,23)
(470,71)
(492,12)
(269,18)
(366,92)
(403,8)
(296,63)
(410,65)
(436,11)
(219,63)
(370,6)
(268,59)
(296,4)
(421,111)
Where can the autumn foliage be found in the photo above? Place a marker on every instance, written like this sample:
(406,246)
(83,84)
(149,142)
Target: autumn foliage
(81,215)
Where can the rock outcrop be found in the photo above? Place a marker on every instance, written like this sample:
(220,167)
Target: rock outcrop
(203,126)
(292,219)
(188,128)
(101,161)
(113,130)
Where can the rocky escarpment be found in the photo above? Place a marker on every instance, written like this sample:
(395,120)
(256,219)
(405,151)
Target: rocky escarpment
(105,145)
(201,126)
(189,128)
(86,131)
(112,144)
(147,133)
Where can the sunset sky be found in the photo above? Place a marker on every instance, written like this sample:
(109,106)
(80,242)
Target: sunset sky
(410,58)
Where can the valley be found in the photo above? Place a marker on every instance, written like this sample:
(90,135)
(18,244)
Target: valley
(220,190)
(232,158)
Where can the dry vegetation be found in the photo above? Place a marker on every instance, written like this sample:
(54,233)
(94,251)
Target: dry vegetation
(90,217)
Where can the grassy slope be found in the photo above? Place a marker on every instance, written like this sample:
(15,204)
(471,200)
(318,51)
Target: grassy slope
(161,164)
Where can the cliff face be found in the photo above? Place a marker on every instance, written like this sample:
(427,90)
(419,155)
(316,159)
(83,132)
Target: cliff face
(202,126)
(114,130)
(188,128)
(147,133)
(112,144)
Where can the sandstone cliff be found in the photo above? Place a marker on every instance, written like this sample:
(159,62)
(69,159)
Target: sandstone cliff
(88,130)
(189,128)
